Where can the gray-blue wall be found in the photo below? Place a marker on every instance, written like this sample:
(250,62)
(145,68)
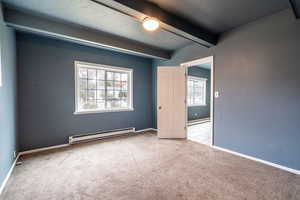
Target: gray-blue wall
(200,112)
(46,91)
(257,74)
(8,105)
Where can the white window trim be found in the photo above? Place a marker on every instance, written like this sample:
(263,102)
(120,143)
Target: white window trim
(106,67)
(205,81)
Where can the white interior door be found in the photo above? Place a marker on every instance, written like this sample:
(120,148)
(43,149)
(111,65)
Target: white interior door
(171,108)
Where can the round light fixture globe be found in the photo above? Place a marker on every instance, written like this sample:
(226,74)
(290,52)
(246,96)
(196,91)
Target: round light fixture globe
(150,24)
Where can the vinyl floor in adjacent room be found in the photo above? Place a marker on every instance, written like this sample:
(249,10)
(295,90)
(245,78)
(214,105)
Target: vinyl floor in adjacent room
(200,133)
(142,167)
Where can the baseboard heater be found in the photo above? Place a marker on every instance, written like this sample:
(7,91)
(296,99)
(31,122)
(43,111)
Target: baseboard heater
(75,139)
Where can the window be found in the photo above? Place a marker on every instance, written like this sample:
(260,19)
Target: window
(196,91)
(101,88)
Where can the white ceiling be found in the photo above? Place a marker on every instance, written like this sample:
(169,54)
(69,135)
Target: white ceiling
(222,15)
(215,15)
(92,15)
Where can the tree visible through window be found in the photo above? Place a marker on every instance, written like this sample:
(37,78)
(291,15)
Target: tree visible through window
(196,91)
(102,88)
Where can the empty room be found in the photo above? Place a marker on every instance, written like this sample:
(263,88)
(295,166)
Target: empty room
(149,100)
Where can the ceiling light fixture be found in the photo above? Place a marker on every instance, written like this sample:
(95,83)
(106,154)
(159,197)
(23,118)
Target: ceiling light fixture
(150,24)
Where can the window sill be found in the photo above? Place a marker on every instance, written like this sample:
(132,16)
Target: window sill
(102,111)
(197,105)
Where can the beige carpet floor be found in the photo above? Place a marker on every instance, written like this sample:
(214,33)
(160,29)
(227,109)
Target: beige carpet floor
(142,167)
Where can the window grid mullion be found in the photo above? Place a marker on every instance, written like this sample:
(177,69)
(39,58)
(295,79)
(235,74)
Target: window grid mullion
(105,89)
(93,96)
(194,89)
(96,95)
(113,86)
(129,101)
(202,91)
(87,85)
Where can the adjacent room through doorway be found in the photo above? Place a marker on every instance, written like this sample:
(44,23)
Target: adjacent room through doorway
(199,106)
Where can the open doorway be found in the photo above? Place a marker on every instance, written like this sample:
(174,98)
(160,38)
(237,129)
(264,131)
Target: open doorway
(199,100)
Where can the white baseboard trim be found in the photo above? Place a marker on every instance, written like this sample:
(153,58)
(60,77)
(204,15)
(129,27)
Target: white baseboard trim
(294,171)
(8,175)
(43,149)
(198,121)
(65,145)
(146,129)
